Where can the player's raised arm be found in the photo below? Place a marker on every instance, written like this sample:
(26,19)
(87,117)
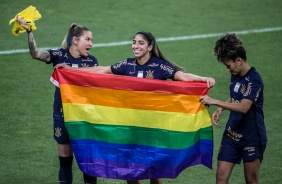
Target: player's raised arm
(34,52)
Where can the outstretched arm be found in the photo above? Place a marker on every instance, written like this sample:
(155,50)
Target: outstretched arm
(241,107)
(181,76)
(95,69)
(34,52)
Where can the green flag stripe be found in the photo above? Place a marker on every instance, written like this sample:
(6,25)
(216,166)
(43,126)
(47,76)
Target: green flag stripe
(137,135)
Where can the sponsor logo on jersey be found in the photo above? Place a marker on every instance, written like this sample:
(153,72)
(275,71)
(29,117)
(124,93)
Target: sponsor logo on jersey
(119,64)
(248,90)
(153,65)
(237,86)
(167,68)
(87,60)
(57,53)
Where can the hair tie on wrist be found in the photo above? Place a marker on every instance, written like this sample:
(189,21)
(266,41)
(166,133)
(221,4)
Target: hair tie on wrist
(29,30)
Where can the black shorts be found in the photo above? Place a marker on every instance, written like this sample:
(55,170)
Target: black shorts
(232,153)
(60,132)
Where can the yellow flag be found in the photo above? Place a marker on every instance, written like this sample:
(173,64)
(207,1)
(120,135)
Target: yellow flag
(30,15)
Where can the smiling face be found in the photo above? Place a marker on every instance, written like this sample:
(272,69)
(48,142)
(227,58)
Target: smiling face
(140,47)
(84,43)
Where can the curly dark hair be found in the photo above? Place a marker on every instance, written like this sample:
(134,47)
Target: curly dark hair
(229,47)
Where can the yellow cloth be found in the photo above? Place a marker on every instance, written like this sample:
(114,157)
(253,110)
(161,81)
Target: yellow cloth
(30,14)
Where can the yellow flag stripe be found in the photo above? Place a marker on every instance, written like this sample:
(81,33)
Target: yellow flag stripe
(140,118)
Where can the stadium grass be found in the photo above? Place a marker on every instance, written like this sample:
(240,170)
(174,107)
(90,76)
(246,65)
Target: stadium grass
(28,152)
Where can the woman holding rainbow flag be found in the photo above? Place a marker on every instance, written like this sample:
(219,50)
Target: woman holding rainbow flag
(147,63)
(75,53)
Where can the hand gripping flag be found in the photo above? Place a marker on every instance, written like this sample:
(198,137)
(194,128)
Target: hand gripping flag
(30,15)
(130,128)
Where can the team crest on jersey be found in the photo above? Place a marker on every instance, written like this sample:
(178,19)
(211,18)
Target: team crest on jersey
(84,65)
(150,74)
(237,86)
(243,88)
(58,132)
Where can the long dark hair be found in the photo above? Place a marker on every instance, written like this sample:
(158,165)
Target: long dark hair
(156,51)
(229,47)
(75,30)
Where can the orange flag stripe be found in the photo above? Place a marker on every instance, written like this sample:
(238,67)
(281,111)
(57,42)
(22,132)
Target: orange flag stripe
(154,101)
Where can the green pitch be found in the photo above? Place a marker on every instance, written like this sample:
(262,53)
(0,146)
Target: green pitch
(28,152)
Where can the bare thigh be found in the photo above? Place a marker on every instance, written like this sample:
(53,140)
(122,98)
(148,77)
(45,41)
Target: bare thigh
(252,171)
(223,172)
(64,150)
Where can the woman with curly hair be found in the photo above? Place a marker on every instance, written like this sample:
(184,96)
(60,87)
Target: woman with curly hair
(244,137)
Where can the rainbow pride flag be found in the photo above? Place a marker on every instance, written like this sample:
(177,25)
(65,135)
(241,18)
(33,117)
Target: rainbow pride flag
(132,128)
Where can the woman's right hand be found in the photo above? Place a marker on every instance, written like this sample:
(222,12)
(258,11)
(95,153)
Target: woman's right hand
(61,65)
(215,116)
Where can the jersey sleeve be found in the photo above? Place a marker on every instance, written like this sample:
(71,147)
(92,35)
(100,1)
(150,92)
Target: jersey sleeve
(253,89)
(168,70)
(119,67)
(54,53)
(95,61)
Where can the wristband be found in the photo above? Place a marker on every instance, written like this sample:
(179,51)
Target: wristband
(29,30)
